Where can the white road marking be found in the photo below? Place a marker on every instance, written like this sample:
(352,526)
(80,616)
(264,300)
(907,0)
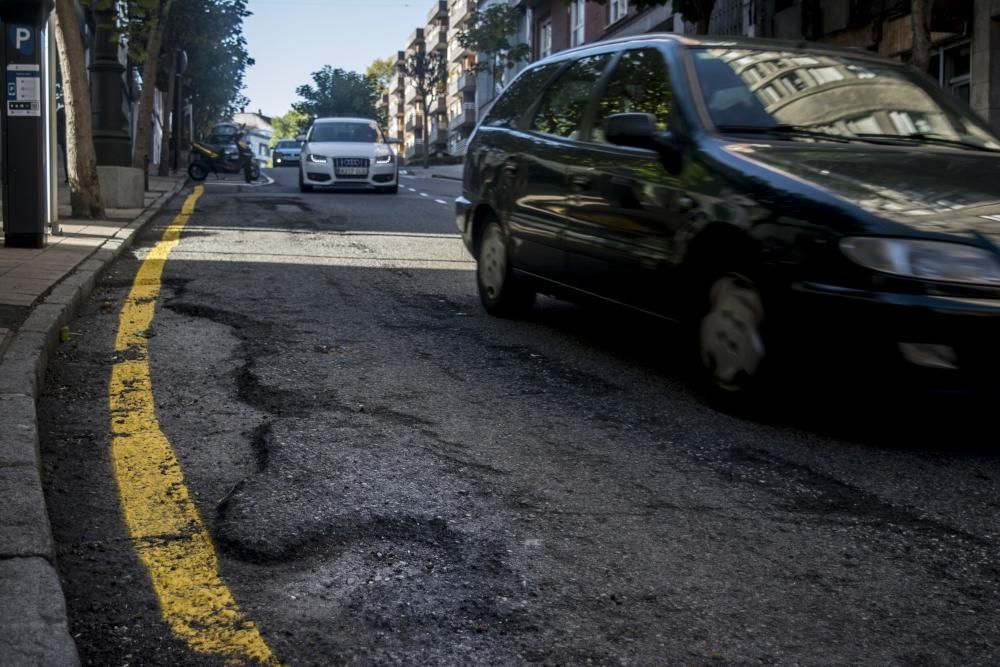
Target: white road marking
(411,189)
(423,194)
(441,201)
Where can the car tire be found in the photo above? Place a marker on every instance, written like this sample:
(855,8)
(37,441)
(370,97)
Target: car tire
(737,349)
(500,291)
(197,171)
(303,187)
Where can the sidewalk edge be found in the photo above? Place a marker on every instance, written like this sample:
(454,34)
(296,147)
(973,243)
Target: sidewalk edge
(34,626)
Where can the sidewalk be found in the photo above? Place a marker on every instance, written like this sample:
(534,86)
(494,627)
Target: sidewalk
(449,171)
(40,291)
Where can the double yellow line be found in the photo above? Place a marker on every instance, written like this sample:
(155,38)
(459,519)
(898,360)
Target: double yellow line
(164,523)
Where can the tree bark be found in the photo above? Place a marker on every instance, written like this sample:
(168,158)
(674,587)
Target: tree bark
(427,143)
(144,117)
(81,161)
(921,19)
(704,16)
(164,168)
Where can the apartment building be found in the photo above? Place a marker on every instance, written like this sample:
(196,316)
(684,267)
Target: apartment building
(413,112)
(965,36)
(396,114)
(436,39)
(462,78)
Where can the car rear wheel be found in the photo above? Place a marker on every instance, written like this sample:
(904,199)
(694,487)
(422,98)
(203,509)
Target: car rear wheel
(501,293)
(736,350)
(302,184)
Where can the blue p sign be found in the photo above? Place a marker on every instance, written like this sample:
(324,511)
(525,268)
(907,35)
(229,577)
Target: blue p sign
(23,38)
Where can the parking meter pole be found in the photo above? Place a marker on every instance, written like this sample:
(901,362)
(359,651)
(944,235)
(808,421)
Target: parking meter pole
(23,124)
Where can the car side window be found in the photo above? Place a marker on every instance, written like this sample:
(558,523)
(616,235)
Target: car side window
(639,84)
(509,108)
(565,101)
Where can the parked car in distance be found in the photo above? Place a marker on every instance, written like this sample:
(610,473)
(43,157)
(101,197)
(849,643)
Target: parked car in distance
(784,202)
(348,153)
(286,153)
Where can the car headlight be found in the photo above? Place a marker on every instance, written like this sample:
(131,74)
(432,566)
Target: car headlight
(318,159)
(383,158)
(926,260)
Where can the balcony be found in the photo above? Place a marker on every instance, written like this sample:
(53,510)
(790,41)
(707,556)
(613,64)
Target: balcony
(438,11)
(399,108)
(416,38)
(467,81)
(398,84)
(455,49)
(436,38)
(459,11)
(466,117)
(415,122)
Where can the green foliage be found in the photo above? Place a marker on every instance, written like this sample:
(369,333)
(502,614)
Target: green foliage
(491,34)
(426,72)
(381,71)
(211,33)
(337,92)
(288,126)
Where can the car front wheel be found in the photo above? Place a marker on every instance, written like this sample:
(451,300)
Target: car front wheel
(734,347)
(302,184)
(501,293)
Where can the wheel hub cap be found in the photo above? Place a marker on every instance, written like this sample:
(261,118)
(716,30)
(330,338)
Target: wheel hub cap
(732,346)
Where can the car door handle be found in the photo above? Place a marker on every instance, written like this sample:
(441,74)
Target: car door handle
(510,168)
(581,182)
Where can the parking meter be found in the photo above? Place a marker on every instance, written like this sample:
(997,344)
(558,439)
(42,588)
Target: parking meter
(22,122)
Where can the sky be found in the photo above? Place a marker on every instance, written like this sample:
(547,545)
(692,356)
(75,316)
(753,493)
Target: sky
(291,39)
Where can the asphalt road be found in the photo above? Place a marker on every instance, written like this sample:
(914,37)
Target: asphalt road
(390,476)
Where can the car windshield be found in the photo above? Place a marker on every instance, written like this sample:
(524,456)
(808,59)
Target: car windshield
(287,144)
(350,132)
(807,95)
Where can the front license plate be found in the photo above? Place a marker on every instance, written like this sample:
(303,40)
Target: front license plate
(352,171)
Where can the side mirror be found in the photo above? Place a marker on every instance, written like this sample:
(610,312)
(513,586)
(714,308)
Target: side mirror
(392,141)
(300,138)
(639,130)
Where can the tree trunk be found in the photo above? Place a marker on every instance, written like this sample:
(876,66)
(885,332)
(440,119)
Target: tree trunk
(921,18)
(427,143)
(164,168)
(81,161)
(705,16)
(144,117)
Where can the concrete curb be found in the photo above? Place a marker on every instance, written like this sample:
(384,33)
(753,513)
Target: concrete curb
(449,178)
(34,629)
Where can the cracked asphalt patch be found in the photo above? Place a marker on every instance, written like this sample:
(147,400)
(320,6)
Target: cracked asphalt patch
(392,477)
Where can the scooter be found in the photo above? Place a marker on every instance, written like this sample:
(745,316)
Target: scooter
(226,158)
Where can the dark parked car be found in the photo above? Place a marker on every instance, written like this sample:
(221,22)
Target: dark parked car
(783,201)
(286,153)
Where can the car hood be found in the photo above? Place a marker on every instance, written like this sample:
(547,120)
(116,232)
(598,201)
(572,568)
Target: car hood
(341,149)
(927,190)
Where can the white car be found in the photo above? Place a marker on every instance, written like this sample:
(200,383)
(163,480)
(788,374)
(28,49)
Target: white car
(348,153)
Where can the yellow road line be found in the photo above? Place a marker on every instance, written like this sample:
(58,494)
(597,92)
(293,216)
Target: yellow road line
(164,523)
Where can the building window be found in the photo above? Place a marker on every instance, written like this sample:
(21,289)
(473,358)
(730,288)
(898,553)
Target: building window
(952,67)
(617,10)
(577,20)
(545,38)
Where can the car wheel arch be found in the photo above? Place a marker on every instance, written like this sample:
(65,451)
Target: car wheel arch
(480,216)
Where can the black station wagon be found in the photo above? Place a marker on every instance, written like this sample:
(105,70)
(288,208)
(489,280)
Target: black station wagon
(785,201)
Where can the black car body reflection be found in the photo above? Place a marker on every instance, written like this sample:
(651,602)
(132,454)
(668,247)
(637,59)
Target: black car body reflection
(767,194)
